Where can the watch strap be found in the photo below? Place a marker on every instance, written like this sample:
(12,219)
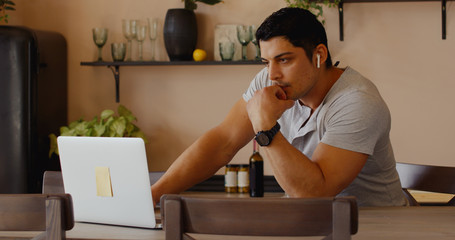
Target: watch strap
(269,133)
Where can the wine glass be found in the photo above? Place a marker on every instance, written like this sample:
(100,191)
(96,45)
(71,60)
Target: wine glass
(129,31)
(153,25)
(244,34)
(100,38)
(255,42)
(141,31)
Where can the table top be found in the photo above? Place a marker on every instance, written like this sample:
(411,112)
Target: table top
(416,223)
(374,223)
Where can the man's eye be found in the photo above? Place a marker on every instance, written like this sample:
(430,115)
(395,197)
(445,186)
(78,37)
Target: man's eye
(283,60)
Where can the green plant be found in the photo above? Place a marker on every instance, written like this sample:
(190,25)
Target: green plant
(6,5)
(106,125)
(314,6)
(191,4)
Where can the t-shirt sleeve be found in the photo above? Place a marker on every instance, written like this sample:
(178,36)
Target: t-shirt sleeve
(260,81)
(358,123)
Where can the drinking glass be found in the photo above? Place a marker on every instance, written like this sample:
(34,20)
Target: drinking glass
(118,51)
(153,25)
(100,38)
(227,50)
(244,34)
(129,31)
(141,31)
(255,42)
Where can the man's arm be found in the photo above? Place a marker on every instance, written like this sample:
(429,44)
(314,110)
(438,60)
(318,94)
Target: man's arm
(329,170)
(209,153)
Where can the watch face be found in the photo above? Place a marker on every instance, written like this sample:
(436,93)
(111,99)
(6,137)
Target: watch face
(262,139)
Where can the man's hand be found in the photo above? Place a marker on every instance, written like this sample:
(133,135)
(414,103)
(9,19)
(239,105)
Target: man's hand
(266,107)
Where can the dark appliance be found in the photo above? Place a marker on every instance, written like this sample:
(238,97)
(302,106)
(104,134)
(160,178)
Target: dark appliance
(33,104)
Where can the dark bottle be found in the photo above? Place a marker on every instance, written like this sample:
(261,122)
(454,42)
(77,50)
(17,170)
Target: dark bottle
(256,173)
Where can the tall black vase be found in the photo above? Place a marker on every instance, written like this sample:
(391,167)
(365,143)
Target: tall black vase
(180,34)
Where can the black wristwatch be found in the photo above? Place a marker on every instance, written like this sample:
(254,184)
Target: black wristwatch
(264,138)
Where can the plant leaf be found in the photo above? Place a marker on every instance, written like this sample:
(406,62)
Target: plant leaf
(107,125)
(130,129)
(106,113)
(118,127)
(53,144)
(9,2)
(124,112)
(99,129)
(141,135)
(210,2)
(190,5)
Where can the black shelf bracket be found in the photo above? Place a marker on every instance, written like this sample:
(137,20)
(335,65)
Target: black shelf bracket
(443,14)
(340,15)
(116,71)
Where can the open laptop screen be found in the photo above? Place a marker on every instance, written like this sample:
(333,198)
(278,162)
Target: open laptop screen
(108,179)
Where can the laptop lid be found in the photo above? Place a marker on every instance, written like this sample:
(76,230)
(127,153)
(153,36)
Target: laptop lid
(108,179)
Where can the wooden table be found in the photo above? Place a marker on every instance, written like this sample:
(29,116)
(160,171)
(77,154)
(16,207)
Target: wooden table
(374,223)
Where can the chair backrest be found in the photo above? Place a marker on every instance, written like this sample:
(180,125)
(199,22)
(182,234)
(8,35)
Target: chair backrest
(53,181)
(52,214)
(426,178)
(335,218)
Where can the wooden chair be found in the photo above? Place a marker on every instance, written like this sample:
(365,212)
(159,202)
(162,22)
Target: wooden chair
(334,218)
(426,178)
(52,214)
(53,181)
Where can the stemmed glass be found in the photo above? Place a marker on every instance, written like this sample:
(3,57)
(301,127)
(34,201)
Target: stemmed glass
(100,38)
(244,34)
(255,42)
(141,31)
(153,25)
(129,31)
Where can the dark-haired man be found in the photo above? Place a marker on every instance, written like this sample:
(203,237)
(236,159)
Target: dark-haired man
(324,130)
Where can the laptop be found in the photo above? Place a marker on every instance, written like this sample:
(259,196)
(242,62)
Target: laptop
(108,180)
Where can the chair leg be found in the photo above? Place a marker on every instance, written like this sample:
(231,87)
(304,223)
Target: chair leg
(173,218)
(341,218)
(54,226)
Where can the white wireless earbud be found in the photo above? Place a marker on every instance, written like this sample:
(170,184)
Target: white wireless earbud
(319,60)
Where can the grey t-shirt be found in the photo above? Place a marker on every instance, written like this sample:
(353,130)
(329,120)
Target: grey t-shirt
(352,116)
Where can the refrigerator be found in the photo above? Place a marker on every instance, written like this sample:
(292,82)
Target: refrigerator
(33,104)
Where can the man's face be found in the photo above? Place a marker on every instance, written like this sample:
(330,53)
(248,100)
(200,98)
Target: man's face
(288,67)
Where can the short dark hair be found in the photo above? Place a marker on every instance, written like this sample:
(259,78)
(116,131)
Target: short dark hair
(299,26)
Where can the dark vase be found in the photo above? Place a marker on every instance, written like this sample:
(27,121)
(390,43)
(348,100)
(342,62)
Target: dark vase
(180,34)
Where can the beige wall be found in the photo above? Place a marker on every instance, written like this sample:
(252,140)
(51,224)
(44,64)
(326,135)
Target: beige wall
(397,45)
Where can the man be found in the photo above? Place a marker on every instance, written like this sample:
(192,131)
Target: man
(324,130)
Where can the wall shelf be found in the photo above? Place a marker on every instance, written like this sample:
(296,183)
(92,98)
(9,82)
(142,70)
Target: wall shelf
(341,12)
(115,67)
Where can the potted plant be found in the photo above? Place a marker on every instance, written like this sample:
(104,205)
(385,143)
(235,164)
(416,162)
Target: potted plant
(180,30)
(106,125)
(314,6)
(4,6)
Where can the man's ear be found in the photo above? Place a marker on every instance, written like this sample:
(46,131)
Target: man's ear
(320,55)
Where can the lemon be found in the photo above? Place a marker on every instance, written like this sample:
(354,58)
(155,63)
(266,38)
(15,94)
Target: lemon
(199,55)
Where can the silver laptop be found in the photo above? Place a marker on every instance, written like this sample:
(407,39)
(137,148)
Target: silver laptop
(108,179)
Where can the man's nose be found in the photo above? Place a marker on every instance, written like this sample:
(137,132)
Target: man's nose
(274,72)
